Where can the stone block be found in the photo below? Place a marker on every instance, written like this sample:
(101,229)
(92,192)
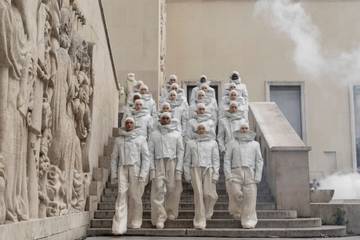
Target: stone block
(337,212)
(72,226)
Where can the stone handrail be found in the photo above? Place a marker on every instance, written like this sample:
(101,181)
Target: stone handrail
(286,157)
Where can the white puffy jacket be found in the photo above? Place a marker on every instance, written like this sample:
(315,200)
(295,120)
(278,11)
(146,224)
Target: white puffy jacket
(210,105)
(130,148)
(202,152)
(211,94)
(243,151)
(166,143)
(142,120)
(204,119)
(180,111)
(227,125)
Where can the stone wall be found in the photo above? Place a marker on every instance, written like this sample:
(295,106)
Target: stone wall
(58,104)
(137,35)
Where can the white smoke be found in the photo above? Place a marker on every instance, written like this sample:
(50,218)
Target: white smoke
(289,17)
(346,186)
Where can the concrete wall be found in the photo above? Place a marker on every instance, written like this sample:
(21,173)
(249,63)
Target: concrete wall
(216,37)
(134,33)
(339,213)
(70,227)
(286,158)
(105,100)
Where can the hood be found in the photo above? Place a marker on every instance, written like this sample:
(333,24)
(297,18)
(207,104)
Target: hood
(202,138)
(206,101)
(237,81)
(244,137)
(146,97)
(203,117)
(142,113)
(129,135)
(176,103)
(234,116)
(207,80)
(168,128)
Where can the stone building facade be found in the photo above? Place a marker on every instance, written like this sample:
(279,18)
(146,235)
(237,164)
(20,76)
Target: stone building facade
(308,64)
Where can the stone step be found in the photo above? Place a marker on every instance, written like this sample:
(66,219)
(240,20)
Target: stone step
(223,223)
(188,188)
(184,198)
(190,205)
(220,191)
(323,231)
(218,214)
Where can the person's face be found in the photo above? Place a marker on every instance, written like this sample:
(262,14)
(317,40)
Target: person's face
(233,109)
(234,77)
(174,88)
(138,106)
(143,91)
(204,88)
(232,88)
(203,80)
(172,80)
(201,130)
(165,120)
(233,96)
(244,129)
(129,125)
(172,96)
(201,110)
(166,108)
(201,96)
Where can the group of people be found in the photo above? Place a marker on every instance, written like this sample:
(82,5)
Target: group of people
(185,141)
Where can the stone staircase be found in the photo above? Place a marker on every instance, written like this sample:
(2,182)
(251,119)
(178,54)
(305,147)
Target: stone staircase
(272,222)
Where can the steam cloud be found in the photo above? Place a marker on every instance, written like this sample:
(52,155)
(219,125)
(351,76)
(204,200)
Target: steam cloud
(289,17)
(346,186)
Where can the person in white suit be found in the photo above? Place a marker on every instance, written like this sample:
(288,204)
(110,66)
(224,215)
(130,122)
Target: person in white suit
(130,163)
(243,166)
(166,154)
(201,168)
(228,124)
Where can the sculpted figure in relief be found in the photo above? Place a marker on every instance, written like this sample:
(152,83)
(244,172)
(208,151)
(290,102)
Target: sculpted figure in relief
(14,100)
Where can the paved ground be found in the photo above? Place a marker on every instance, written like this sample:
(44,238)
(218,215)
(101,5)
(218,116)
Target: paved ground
(178,238)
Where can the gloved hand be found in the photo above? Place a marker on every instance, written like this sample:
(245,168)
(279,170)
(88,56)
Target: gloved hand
(215,178)
(187,178)
(178,176)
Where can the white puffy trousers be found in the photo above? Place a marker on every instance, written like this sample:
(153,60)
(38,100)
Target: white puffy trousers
(128,206)
(242,191)
(205,195)
(165,192)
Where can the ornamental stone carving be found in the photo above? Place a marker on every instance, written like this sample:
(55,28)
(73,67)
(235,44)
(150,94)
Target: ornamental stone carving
(46,89)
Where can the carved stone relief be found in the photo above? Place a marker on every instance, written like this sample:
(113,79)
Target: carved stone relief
(46,89)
